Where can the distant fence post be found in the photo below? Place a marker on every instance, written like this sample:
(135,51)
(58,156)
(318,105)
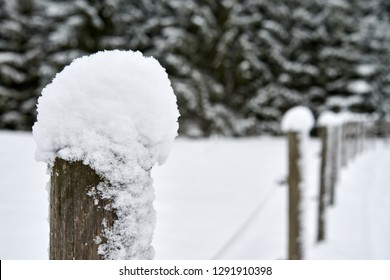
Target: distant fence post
(356,138)
(294,198)
(335,163)
(361,136)
(343,138)
(328,124)
(387,130)
(101,130)
(297,123)
(324,180)
(346,145)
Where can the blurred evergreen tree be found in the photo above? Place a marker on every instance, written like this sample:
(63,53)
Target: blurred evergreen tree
(235,66)
(269,64)
(342,58)
(74,28)
(196,45)
(312,53)
(375,39)
(20,52)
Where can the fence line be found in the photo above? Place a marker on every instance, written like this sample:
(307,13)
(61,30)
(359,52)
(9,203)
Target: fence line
(340,145)
(324,169)
(341,142)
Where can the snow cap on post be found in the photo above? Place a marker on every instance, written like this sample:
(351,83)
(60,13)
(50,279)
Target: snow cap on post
(346,117)
(298,119)
(110,102)
(328,119)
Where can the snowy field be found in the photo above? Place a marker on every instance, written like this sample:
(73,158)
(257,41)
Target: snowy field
(217,199)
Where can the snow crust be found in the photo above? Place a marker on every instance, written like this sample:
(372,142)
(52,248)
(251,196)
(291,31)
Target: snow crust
(299,119)
(116,112)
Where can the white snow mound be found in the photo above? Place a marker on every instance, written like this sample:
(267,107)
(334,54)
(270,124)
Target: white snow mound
(328,119)
(110,102)
(298,119)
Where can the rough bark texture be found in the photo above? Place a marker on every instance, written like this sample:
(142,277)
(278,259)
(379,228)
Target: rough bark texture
(294,197)
(75,221)
(323,184)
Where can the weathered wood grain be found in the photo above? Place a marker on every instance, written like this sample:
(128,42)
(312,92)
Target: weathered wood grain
(75,220)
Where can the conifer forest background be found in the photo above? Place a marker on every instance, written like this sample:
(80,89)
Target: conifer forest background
(235,66)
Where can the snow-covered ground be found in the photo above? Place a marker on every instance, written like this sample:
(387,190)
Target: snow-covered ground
(217,199)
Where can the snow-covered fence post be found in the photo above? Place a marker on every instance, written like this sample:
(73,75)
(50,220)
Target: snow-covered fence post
(387,130)
(103,123)
(352,137)
(294,198)
(369,131)
(75,221)
(297,123)
(335,165)
(328,168)
(347,134)
(324,183)
(349,141)
(344,143)
(355,136)
(363,139)
(383,128)
(360,135)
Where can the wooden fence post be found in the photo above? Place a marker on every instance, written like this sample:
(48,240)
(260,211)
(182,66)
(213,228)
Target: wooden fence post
(355,139)
(349,142)
(335,163)
(101,133)
(324,182)
(297,123)
(76,219)
(361,136)
(294,198)
(344,144)
(387,131)
(352,140)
